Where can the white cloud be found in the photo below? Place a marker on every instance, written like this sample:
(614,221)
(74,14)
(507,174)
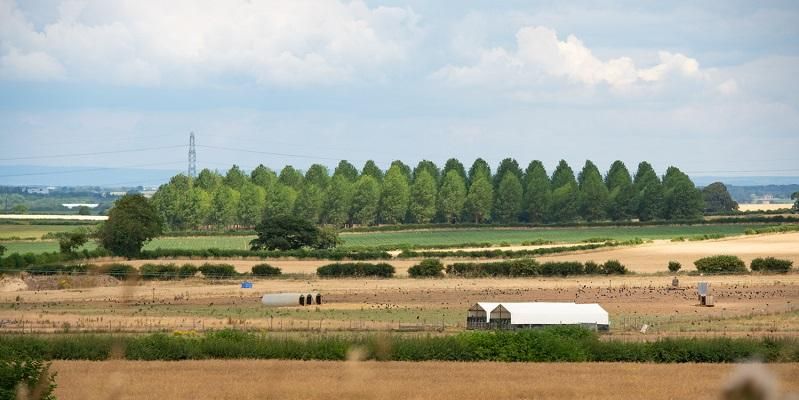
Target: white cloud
(540,56)
(139,42)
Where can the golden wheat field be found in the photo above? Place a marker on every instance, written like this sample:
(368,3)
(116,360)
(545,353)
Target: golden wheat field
(269,379)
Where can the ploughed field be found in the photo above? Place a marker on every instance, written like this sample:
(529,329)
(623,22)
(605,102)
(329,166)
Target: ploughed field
(751,305)
(436,237)
(273,379)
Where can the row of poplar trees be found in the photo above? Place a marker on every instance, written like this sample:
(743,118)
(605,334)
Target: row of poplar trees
(428,194)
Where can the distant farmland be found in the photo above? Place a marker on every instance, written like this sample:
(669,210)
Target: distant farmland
(417,238)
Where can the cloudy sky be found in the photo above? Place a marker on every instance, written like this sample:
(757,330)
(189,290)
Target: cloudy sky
(710,87)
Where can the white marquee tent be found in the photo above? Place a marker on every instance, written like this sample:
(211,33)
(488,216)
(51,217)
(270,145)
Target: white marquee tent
(537,314)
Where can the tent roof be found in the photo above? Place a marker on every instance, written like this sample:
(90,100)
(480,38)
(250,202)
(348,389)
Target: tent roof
(550,313)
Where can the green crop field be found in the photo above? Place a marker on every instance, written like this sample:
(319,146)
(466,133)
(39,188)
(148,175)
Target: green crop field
(517,236)
(8,231)
(425,238)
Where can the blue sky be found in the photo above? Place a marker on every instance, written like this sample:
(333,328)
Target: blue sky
(707,86)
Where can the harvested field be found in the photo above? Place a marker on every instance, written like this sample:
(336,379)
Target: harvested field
(755,305)
(259,379)
(764,207)
(654,257)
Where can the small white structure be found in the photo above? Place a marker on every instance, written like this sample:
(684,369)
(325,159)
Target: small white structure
(291,299)
(74,205)
(507,315)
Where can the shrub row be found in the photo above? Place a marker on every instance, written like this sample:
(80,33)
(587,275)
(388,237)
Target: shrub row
(530,267)
(497,253)
(167,272)
(773,229)
(262,270)
(725,264)
(429,268)
(381,270)
(557,344)
(324,254)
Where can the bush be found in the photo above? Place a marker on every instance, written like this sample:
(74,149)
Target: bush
(674,266)
(381,270)
(119,271)
(265,270)
(187,271)
(592,268)
(162,272)
(562,268)
(33,374)
(218,271)
(430,267)
(771,264)
(613,267)
(720,265)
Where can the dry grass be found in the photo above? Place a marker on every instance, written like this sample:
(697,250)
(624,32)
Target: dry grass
(245,379)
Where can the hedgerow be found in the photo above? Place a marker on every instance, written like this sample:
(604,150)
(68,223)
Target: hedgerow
(530,267)
(721,264)
(771,264)
(381,270)
(555,344)
(428,268)
(498,253)
(265,270)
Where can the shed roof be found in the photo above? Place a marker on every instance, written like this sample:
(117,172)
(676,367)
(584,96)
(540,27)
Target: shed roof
(550,313)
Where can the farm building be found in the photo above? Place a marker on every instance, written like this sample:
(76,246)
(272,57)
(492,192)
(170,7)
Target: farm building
(535,315)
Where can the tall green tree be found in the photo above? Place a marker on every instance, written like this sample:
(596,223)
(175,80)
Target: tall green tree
(310,202)
(718,199)
(280,201)
(592,198)
(179,204)
(681,198)
(317,175)
(430,167)
(263,176)
(224,206)
(394,196)
(480,198)
(564,194)
(366,200)
(252,204)
(454,165)
(621,194)
(562,175)
(507,165)
(648,201)
(451,196)
(209,180)
(338,200)
(406,170)
(371,169)
(508,201)
(537,193)
(235,178)
(479,167)
(291,178)
(422,206)
(131,223)
(347,170)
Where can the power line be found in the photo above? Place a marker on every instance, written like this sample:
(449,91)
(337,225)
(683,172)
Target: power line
(274,153)
(90,169)
(91,154)
(740,172)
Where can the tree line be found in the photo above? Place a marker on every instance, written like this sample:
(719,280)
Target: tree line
(427,194)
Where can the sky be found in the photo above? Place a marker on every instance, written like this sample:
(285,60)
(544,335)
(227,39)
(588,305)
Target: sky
(707,86)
